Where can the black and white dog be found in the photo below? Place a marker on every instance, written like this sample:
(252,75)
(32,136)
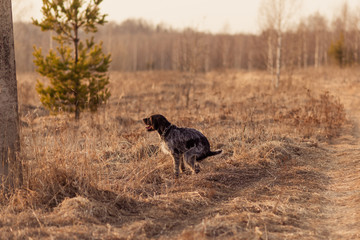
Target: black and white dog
(183,143)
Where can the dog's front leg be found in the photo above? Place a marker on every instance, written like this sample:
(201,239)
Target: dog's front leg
(182,165)
(177,159)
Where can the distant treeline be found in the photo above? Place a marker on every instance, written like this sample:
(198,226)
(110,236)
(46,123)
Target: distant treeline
(136,45)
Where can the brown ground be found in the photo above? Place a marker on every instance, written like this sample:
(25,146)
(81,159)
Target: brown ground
(343,209)
(289,168)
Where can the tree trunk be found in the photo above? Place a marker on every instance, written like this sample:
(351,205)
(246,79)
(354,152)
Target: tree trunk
(278,59)
(299,55)
(356,51)
(250,60)
(10,168)
(76,53)
(135,53)
(316,55)
(270,60)
(305,51)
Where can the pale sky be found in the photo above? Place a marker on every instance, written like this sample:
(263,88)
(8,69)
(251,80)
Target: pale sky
(232,16)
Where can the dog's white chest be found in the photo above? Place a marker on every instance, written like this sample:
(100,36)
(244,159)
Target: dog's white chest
(164,148)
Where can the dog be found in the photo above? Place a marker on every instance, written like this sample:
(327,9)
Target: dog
(184,144)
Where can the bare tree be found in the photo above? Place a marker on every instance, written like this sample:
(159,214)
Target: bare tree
(312,41)
(354,28)
(192,52)
(301,44)
(341,31)
(269,36)
(10,169)
(276,15)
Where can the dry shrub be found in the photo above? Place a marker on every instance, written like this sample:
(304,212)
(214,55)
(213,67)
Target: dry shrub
(20,200)
(328,112)
(146,151)
(324,115)
(107,207)
(79,207)
(63,164)
(274,153)
(64,190)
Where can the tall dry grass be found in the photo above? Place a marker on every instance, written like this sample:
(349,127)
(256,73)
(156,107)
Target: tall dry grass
(105,177)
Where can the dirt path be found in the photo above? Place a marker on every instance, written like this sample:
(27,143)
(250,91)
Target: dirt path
(343,211)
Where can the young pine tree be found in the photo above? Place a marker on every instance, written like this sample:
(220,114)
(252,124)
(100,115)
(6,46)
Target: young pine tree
(77,70)
(337,50)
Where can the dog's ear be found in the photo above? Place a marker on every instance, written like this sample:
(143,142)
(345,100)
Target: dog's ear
(162,123)
(154,122)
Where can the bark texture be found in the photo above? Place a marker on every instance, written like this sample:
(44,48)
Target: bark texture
(10,169)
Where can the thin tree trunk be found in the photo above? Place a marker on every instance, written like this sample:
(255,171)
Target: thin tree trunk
(250,56)
(356,51)
(299,56)
(305,51)
(135,53)
(76,45)
(325,58)
(321,50)
(10,167)
(278,59)
(316,55)
(270,62)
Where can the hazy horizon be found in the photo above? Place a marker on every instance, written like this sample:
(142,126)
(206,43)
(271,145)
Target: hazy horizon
(231,16)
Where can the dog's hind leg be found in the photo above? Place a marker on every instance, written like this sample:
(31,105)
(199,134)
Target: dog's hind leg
(182,165)
(190,158)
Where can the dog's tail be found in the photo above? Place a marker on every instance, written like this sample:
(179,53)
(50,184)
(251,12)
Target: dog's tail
(211,153)
(208,154)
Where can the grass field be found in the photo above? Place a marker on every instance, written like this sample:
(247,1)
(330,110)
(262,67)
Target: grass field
(105,177)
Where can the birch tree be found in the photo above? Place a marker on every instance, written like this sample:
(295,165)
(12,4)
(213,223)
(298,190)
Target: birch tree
(355,29)
(276,15)
(318,26)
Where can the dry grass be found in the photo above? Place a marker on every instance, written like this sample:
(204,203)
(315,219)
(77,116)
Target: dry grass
(105,178)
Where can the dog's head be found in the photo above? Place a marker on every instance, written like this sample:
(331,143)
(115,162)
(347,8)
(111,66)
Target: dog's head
(156,123)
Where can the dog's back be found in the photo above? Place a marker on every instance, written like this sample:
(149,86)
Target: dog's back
(180,140)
